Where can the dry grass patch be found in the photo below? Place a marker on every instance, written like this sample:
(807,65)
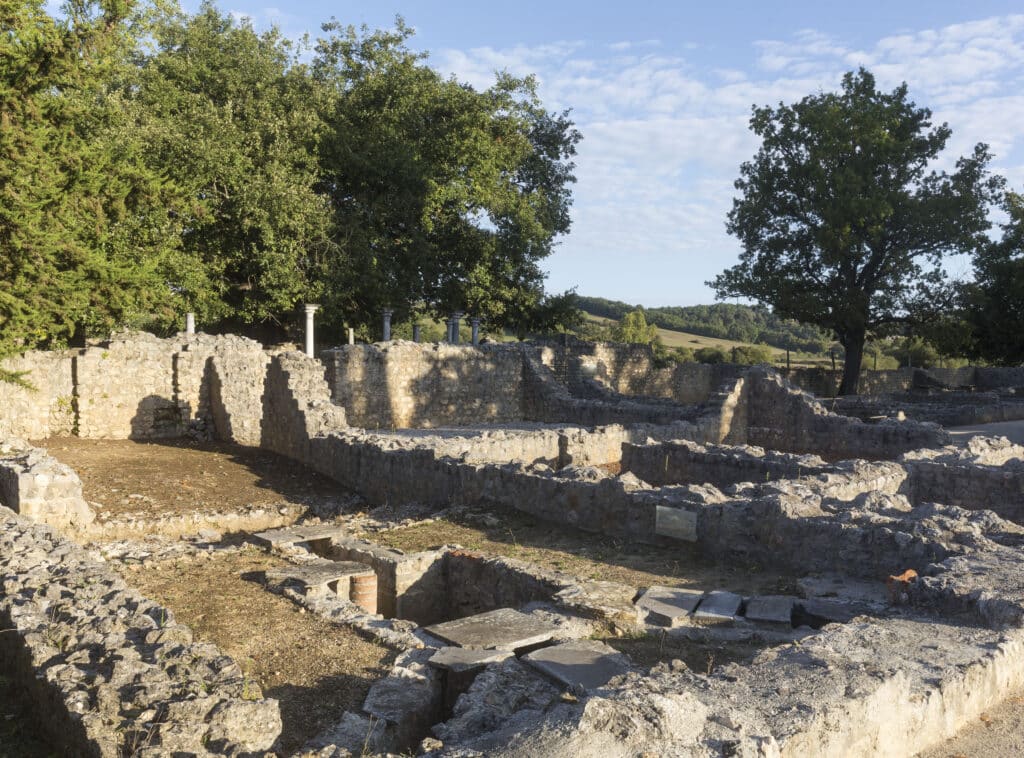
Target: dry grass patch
(587,556)
(316,669)
(184,476)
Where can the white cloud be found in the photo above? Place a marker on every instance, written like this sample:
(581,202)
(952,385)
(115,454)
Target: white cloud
(664,138)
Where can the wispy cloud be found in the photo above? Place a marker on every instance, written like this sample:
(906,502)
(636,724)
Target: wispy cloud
(664,136)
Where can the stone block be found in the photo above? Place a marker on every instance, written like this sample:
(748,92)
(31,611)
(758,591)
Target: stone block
(676,523)
(581,666)
(501,629)
(461,659)
(718,607)
(669,606)
(771,609)
(319,575)
(296,534)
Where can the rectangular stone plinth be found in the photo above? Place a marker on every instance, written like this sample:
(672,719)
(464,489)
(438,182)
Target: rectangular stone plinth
(582,665)
(295,534)
(669,606)
(718,607)
(675,523)
(771,609)
(319,575)
(461,660)
(501,629)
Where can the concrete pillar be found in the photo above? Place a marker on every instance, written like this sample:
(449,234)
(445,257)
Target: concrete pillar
(456,319)
(415,332)
(190,323)
(351,336)
(475,321)
(311,308)
(387,313)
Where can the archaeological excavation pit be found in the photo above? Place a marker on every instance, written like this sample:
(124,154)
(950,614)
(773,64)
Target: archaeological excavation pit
(727,561)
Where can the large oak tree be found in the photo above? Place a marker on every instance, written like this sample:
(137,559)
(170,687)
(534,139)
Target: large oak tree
(994,302)
(843,222)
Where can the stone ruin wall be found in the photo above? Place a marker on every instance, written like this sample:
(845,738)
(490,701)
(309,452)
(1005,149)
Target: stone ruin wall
(283,402)
(409,385)
(138,386)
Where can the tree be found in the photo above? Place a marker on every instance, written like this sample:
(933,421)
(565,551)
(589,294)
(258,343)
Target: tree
(232,119)
(85,229)
(994,302)
(633,328)
(443,198)
(842,222)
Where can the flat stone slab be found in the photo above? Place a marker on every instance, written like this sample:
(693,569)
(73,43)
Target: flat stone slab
(771,609)
(295,534)
(580,665)
(669,606)
(502,629)
(675,522)
(462,659)
(718,607)
(319,573)
(844,589)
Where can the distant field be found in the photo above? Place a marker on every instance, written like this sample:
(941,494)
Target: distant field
(672,338)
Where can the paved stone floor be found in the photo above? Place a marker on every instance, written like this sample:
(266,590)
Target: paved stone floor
(1013,430)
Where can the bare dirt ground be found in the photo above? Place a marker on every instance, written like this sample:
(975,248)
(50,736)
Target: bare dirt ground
(184,476)
(316,669)
(999,733)
(587,556)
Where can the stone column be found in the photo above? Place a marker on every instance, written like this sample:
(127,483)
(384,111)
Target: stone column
(415,332)
(448,333)
(456,318)
(387,313)
(351,336)
(311,308)
(190,323)
(475,321)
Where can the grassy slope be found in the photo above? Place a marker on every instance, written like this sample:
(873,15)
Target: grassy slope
(696,341)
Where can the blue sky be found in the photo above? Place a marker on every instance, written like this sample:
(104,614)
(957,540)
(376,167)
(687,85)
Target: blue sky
(662,92)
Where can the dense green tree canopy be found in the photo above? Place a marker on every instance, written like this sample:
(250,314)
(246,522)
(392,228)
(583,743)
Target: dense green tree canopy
(842,222)
(444,198)
(84,223)
(153,162)
(994,302)
(232,119)
(633,327)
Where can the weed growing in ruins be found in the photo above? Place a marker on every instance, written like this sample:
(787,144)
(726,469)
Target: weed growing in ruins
(374,723)
(710,664)
(251,689)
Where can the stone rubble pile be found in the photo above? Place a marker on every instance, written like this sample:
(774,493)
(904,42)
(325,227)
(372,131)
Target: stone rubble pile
(113,672)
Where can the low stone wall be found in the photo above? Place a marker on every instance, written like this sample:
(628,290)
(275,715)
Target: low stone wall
(404,384)
(634,370)
(685,462)
(137,386)
(47,408)
(943,408)
(786,419)
(110,672)
(548,400)
(41,488)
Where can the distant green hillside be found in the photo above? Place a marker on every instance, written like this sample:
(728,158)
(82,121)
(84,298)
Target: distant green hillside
(738,323)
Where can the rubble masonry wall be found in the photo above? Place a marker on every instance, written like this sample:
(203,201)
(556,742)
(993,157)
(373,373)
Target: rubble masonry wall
(138,386)
(111,672)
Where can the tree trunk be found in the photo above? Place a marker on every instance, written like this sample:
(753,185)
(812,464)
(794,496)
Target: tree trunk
(854,346)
